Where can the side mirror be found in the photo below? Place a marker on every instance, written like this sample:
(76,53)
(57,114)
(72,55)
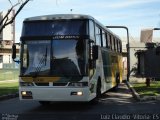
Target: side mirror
(13,51)
(95,52)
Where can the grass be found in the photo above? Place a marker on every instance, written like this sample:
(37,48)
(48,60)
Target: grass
(8,88)
(153,90)
(9,74)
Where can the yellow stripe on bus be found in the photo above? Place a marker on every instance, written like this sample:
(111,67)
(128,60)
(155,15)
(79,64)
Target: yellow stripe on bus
(40,79)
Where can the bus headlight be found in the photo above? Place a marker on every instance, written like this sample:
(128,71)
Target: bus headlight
(26,94)
(79,93)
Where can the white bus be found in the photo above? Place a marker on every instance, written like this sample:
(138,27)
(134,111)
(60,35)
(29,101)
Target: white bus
(67,57)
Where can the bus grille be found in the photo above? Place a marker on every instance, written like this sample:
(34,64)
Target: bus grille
(42,84)
(60,84)
(54,84)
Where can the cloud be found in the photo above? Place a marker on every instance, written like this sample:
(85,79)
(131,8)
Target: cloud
(107,4)
(4,5)
(128,3)
(2,1)
(131,13)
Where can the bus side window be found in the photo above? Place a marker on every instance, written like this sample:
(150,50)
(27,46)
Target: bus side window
(98,36)
(91,30)
(118,45)
(115,44)
(110,39)
(104,38)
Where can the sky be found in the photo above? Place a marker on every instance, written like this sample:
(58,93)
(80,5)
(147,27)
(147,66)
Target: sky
(134,14)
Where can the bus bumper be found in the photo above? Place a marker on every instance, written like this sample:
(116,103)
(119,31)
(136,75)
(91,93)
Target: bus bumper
(56,94)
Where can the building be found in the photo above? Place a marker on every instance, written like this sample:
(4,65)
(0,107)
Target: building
(7,38)
(135,45)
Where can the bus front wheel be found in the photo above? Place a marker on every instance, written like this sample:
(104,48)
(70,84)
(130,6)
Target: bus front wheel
(98,90)
(44,102)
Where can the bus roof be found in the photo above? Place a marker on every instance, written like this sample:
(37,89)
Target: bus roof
(59,17)
(67,17)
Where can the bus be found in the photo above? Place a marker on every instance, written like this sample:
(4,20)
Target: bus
(67,57)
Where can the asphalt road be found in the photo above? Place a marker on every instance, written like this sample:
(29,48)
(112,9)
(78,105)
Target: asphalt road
(112,105)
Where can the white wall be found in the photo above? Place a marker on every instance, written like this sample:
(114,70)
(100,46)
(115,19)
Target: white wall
(7,58)
(1,65)
(8,31)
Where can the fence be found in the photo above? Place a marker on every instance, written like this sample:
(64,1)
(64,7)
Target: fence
(9,74)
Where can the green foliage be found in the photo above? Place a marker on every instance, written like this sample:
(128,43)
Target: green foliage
(11,86)
(8,88)
(143,90)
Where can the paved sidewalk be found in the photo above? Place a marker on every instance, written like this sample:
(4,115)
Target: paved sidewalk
(121,95)
(8,81)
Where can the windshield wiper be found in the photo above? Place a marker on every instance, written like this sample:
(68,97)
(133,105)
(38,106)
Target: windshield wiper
(42,62)
(46,56)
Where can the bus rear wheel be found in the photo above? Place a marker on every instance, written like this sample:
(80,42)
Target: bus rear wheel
(115,88)
(117,79)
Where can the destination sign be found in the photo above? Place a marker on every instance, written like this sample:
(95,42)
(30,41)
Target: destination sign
(66,37)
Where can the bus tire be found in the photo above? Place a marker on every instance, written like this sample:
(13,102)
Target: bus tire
(117,79)
(44,102)
(98,89)
(117,82)
(98,93)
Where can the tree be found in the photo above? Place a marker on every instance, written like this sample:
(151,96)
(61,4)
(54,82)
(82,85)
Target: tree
(5,20)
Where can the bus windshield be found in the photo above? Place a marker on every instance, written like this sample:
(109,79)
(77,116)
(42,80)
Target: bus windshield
(54,58)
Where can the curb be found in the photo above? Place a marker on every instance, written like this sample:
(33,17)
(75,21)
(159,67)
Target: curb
(147,98)
(9,96)
(134,93)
